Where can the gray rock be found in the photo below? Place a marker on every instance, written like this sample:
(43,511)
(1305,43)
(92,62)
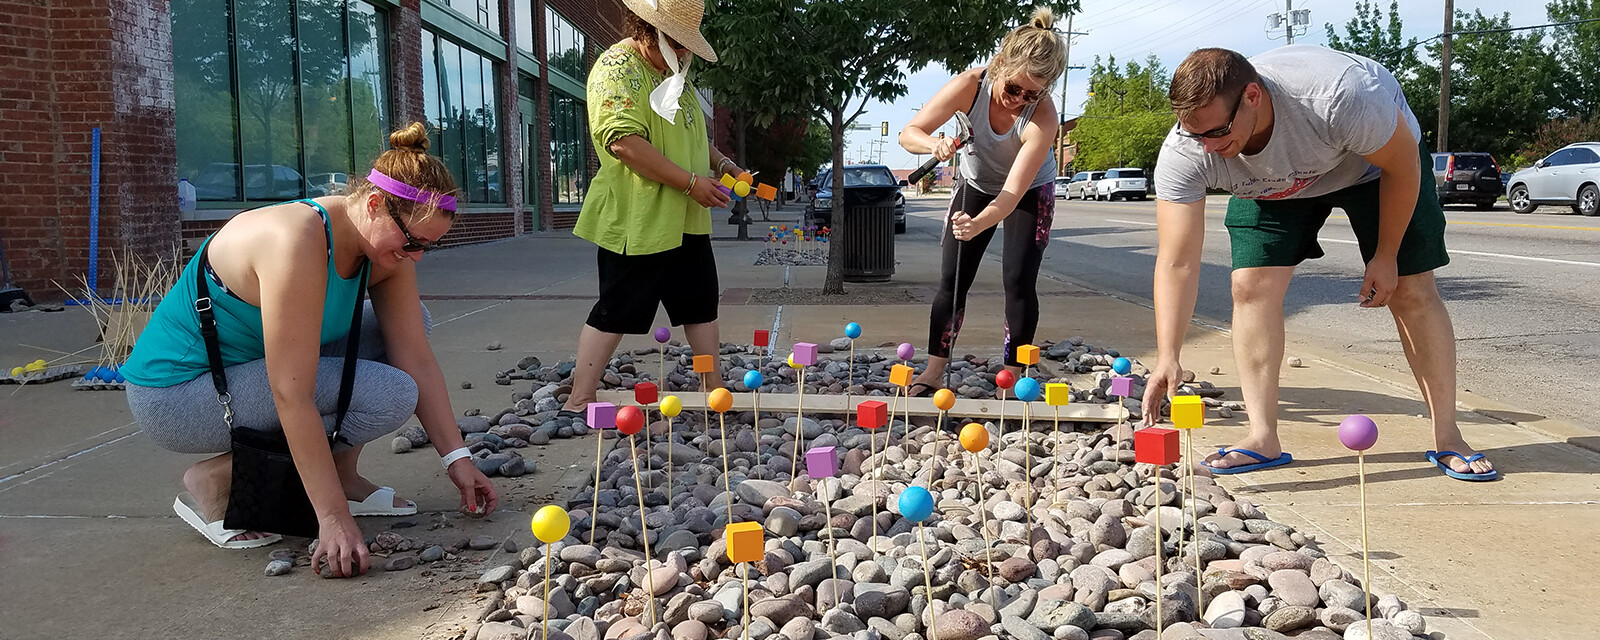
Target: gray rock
(1294,588)
(1021,629)
(780,610)
(279,567)
(1022,606)
(472,424)
(758,492)
(1010,511)
(1052,614)
(1340,618)
(1411,621)
(1338,593)
(880,601)
(431,554)
(1381,630)
(810,573)
(795,629)
(1291,618)
(838,622)
(498,574)
(400,444)
(399,562)
(706,612)
(1226,610)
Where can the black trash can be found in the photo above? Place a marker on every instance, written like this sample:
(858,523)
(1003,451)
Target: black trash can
(868,227)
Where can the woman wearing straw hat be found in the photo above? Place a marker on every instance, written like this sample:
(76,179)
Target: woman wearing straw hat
(648,209)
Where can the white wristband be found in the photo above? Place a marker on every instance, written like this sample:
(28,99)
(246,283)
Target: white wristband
(453,456)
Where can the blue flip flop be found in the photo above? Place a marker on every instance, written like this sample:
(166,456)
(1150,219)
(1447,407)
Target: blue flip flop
(1437,458)
(1265,462)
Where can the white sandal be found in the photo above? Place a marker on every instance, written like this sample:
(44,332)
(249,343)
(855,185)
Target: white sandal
(189,510)
(381,503)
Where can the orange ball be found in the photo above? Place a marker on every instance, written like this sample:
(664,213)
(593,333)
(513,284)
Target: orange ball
(720,400)
(974,437)
(944,399)
(746,177)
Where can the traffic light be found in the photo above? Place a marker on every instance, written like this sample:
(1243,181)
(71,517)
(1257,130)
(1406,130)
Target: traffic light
(885,131)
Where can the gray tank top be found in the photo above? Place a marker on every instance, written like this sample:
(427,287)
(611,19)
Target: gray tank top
(987,160)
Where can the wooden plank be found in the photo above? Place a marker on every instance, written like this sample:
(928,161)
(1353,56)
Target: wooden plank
(835,404)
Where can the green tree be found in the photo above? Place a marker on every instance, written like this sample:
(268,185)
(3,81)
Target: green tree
(1577,46)
(1376,34)
(1126,116)
(1492,107)
(788,58)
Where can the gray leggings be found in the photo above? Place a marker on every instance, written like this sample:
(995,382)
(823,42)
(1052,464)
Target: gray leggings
(186,418)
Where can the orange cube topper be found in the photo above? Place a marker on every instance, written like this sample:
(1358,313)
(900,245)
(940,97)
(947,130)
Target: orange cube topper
(1155,446)
(1188,412)
(900,375)
(745,542)
(872,414)
(1028,354)
(1057,394)
(704,364)
(766,192)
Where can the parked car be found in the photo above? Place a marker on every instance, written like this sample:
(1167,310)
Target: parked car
(219,181)
(1567,177)
(1467,178)
(331,183)
(1128,183)
(1081,182)
(1061,186)
(820,209)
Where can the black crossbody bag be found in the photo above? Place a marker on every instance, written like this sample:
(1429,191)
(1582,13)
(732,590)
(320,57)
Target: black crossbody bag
(267,494)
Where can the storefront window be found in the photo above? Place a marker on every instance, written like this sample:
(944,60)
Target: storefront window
(462,103)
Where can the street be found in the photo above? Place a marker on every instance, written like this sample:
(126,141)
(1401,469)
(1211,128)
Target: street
(1521,290)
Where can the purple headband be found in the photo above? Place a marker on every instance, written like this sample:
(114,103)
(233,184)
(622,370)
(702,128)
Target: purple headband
(409,192)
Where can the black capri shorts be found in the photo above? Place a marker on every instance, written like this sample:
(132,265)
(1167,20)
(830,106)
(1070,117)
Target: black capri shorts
(683,280)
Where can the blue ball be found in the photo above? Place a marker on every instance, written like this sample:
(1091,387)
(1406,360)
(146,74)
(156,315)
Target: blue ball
(753,379)
(916,504)
(1122,366)
(1026,389)
(852,331)
(103,374)
(118,376)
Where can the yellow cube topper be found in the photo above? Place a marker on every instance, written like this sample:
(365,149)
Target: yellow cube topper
(703,364)
(1057,394)
(728,181)
(745,542)
(1028,354)
(1188,412)
(900,375)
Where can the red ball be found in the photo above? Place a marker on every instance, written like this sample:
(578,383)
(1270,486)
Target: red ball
(630,420)
(1005,379)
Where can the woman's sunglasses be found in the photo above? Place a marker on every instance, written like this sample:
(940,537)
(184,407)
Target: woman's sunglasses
(1029,96)
(412,244)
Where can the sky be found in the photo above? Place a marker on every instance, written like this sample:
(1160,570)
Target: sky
(1133,29)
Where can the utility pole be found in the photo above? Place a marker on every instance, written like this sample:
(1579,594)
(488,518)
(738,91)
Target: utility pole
(1288,25)
(1061,109)
(1444,77)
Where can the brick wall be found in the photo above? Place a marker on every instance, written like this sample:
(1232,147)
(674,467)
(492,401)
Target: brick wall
(71,67)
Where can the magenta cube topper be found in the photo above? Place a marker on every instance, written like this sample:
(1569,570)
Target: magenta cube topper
(1122,386)
(805,354)
(822,463)
(602,415)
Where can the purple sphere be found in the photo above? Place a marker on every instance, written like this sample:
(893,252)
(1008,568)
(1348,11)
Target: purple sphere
(1358,433)
(663,334)
(906,351)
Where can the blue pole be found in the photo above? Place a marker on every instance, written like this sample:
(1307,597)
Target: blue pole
(94,215)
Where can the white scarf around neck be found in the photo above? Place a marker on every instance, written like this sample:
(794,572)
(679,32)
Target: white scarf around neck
(664,99)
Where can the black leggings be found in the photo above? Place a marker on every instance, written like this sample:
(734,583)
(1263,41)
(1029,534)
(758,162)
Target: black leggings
(1027,232)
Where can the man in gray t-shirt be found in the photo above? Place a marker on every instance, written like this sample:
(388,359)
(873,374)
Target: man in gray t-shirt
(1292,134)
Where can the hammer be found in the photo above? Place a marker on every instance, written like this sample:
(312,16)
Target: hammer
(963,136)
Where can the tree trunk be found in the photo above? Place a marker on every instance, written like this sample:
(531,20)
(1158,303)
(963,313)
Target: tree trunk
(834,284)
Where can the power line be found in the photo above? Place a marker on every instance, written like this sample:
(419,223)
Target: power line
(1500,30)
(1128,15)
(1199,21)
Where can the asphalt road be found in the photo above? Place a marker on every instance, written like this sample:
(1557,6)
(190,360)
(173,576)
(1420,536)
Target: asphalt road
(1522,290)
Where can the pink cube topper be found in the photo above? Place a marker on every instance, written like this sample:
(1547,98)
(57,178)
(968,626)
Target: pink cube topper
(602,415)
(1122,386)
(645,393)
(822,463)
(763,338)
(1156,446)
(805,354)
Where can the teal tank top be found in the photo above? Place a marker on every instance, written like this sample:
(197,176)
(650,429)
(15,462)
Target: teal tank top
(170,351)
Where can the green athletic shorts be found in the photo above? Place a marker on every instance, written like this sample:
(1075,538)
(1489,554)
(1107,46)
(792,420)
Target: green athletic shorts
(1283,233)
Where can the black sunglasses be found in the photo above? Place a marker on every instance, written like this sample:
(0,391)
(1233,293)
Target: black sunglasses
(1221,131)
(1030,96)
(412,245)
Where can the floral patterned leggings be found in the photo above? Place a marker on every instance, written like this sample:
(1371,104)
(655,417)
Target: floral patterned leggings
(1027,232)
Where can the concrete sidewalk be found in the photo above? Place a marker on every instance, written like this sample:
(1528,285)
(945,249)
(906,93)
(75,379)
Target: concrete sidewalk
(89,544)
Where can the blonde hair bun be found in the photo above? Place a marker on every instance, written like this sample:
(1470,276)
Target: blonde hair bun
(413,138)
(1043,18)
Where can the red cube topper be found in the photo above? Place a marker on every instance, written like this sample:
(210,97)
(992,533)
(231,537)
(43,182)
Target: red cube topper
(872,414)
(1158,446)
(763,338)
(645,393)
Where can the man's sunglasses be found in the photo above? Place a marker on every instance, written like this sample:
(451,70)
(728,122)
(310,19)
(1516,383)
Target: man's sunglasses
(1221,131)
(1029,96)
(412,245)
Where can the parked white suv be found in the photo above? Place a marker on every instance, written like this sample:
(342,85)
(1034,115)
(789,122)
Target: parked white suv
(1128,183)
(1082,184)
(1569,176)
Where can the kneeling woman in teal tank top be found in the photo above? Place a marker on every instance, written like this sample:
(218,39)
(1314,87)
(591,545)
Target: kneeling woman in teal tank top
(283,283)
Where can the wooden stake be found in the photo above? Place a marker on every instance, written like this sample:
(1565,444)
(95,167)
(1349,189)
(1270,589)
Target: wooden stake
(594,509)
(1194,515)
(850,382)
(927,579)
(983,518)
(832,554)
(1056,455)
(938,454)
(669,456)
(547,589)
(745,577)
(1366,562)
(722,420)
(1027,472)
(644,532)
(1161,562)
(705,412)
(799,428)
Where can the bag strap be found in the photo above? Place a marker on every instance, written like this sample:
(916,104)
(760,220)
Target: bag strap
(219,377)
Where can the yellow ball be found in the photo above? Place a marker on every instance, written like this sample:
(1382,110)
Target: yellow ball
(671,406)
(741,189)
(974,437)
(17,371)
(793,365)
(41,362)
(35,366)
(720,400)
(550,524)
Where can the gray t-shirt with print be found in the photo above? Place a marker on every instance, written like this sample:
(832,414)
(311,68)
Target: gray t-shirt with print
(1330,108)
